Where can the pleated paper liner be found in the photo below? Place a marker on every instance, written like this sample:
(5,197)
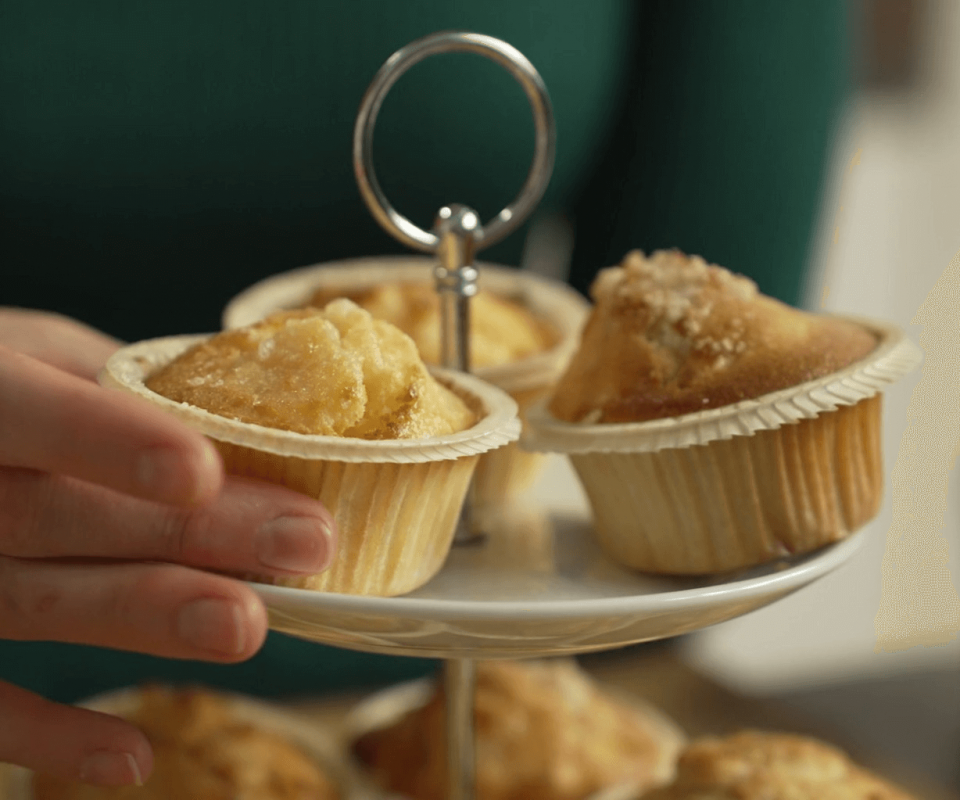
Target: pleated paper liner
(505,473)
(396,503)
(316,742)
(740,485)
(388,706)
(509,470)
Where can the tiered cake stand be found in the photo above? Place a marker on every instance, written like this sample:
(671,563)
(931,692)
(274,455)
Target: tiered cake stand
(522,580)
(537,585)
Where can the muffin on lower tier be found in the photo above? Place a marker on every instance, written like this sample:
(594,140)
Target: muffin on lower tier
(714,428)
(754,765)
(338,406)
(544,730)
(523,330)
(215,747)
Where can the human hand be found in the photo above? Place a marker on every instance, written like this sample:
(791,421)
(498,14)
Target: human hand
(109,510)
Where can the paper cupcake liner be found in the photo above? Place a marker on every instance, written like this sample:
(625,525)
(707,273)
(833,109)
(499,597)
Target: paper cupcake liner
(313,739)
(741,485)
(396,503)
(562,307)
(396,522)
(386,707)
(130,366)
(507,472)
(894,357)
(738,502)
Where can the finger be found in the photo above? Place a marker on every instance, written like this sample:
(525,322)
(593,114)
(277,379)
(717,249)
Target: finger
(54,339)
(250,527)
(58,423)
(70,743)
(158,609)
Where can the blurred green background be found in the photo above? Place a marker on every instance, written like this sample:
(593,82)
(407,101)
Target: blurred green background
(158,158)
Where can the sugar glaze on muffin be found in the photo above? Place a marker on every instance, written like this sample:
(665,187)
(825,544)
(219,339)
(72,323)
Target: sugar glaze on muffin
(334,372)
(544,731)
(502,330)
(671,335)
(204,749)
(755,765)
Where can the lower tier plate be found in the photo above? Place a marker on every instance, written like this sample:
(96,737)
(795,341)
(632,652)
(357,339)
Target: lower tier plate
(538,585)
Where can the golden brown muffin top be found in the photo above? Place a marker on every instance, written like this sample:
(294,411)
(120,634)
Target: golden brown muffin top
(501,330)
(333,372)
(202,750)
(544,731)
(672,335)
(771,766)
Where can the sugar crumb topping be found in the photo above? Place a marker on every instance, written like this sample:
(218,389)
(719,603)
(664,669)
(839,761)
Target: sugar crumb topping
(333,372)
(670,335)
(670,282)
(503,329)
(672,295)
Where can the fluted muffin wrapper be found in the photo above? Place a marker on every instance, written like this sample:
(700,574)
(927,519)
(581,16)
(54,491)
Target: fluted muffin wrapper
(509,470)
(396,502)
(741,485)
(738,502)
(395,522)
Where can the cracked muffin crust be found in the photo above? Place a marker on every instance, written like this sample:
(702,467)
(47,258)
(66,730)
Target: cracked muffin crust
(671,335)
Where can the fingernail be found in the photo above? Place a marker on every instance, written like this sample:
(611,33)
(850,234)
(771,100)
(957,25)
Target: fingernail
(295,544)
(105,768)
(214,625)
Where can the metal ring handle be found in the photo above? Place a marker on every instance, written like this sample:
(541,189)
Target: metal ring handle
(448,42)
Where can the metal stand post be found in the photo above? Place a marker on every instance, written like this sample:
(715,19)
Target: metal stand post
(456,237)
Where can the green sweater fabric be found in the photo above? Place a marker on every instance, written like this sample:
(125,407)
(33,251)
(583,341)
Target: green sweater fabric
(158,158)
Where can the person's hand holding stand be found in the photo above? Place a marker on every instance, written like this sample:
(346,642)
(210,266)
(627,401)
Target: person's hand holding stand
(108,507)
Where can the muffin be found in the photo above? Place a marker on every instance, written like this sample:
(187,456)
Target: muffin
(714,428)
(502,330)
(339,406)
(335,372)
(523,330)
(217,748)
(672,335)
(771,766)
(543,731)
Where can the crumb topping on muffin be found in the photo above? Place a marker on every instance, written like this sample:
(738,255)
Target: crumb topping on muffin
(671,285)
(203,750)
(334,372)
(544,730)
(754,765)
(502,330)
(671,335)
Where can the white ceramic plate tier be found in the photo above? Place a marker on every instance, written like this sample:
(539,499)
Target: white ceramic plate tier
(539,585)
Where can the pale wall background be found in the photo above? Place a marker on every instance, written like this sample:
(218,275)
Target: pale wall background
(890,226)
